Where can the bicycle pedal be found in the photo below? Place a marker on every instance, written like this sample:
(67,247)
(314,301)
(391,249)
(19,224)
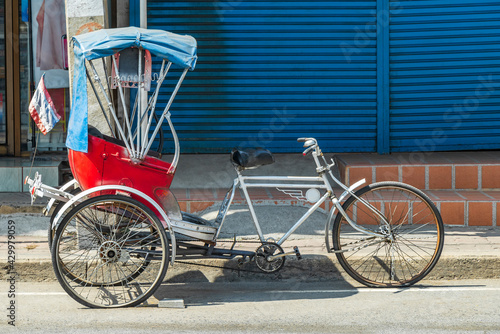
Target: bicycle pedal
(297,253)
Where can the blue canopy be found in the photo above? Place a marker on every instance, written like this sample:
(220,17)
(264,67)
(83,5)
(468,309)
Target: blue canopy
(179,49)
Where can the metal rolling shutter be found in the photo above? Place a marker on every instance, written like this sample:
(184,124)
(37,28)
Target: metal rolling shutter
(272,71)
(444,75)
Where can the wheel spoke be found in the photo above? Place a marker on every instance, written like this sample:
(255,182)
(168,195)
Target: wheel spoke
(414,238)
(93,247)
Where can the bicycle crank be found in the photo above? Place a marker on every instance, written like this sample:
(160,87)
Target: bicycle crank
(270,257)
(295,252)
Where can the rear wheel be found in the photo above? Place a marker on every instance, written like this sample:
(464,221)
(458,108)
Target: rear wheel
(110,251)
(412,242)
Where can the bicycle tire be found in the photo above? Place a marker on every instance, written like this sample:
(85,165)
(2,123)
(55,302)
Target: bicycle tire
(416,229)
(95,266)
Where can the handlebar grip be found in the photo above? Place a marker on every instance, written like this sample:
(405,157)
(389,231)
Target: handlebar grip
(301,140)
(307,151)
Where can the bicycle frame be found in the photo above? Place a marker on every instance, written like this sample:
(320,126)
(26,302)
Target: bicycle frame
(322,181)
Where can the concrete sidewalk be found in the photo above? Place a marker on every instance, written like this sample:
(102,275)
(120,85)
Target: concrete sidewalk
(469,252)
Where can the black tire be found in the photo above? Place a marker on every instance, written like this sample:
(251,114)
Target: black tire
(51,233)
(110,251)
(416,230)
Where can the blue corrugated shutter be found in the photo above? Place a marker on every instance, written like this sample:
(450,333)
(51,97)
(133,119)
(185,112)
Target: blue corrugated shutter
(444,75)
(272,71)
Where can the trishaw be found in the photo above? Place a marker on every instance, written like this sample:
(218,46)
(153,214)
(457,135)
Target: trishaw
(116,226)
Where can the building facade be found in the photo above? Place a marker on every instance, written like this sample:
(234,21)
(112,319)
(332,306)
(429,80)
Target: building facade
(361,76)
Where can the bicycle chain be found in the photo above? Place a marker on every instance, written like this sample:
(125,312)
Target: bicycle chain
(239,264)
(220,267)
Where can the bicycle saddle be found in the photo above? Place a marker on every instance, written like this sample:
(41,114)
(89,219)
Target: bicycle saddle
(251,157)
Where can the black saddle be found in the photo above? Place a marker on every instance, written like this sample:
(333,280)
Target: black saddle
(251,157)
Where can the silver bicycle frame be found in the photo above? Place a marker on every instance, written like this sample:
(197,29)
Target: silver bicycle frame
(322,181)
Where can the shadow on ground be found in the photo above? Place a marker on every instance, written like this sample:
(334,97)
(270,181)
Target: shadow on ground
(220,282)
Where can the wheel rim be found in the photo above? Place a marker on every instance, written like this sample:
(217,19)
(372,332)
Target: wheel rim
(110,253)
(411,246)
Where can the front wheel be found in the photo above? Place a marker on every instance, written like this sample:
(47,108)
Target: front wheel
(412,242)
(110,251)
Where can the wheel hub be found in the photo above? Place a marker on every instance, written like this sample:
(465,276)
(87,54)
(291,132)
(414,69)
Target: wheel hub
(110,252)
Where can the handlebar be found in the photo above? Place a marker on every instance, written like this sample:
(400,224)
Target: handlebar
(310,143)
(307,151)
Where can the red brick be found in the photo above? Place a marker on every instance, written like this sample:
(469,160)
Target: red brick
(474,196)
(414,175)
(342,171)
(365,216)
(439,177)
(206,194)
(258,194)
(221,193)
(180,194)
(421,213)
(200,206)
(387,174)
(444,195)
(490,177)
(466,177)
(498,214)
(397,212)
(358,173)
(453,213)
(480,214)
(183,205)
(495,194)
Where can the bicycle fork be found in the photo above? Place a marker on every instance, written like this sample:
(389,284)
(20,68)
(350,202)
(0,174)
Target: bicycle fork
(360,228)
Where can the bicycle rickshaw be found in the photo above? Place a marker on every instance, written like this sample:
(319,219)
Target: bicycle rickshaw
(116,226)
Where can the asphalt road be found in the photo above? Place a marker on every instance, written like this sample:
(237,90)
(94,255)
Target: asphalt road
(461,306)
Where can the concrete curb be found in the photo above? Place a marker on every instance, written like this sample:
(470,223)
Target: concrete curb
(311,268)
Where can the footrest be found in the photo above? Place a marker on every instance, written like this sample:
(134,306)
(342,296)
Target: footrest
(297,253)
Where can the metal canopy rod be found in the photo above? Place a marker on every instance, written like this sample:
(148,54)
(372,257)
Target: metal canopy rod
(99,101)
(152,103)
(134,135)
(107,78)
(151,106)
(165,111)
(110,105)
(134,110)
(175,160)
(139,109)
(125,114)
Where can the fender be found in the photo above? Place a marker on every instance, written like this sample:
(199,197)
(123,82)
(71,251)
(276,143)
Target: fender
(79,196)
(73,183)
(329,219)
